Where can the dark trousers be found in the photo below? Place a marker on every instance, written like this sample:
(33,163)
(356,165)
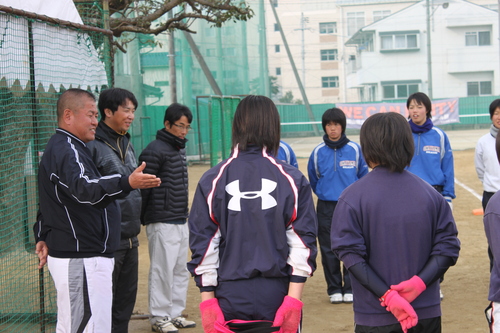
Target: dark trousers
(486,197)
(430,325)
(257,298)
(332,266)
(125,277)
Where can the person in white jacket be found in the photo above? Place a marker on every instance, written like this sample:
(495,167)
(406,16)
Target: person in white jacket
(486,162)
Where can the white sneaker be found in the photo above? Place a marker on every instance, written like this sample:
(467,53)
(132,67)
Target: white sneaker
(164,325)
(336,298)
(181,322)
(348,298)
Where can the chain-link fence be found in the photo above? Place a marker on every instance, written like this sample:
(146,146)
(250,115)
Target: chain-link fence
(40,57)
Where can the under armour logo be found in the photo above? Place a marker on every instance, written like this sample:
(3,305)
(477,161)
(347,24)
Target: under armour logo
(267,187)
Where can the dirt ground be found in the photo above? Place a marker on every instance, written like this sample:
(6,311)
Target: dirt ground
(465,286)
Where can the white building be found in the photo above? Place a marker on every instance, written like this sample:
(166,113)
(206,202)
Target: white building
(327,42)
(394,57)
(316,32)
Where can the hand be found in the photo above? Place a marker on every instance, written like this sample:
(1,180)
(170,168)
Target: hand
(448,200)
(288,315)
(42,250)
(211,314)
(410,289)
(138,179)
(400,308)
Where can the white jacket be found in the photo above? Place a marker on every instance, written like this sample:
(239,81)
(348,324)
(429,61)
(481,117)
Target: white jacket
(486,162)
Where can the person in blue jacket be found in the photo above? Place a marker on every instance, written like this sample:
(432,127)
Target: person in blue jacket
(252,229)
(286,154)
(433,157)
(334,164)
(395,234)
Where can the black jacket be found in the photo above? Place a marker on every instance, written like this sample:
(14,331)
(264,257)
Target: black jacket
(167,160)
(79,218)
(113,153)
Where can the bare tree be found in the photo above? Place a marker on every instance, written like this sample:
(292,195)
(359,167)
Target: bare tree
(149,16)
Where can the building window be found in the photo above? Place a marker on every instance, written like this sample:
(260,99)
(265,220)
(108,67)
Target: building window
(276,27)
(278,70)
(228,31)
(380,14)
(355,21)
(400,90)
(210,32)
(277,48)
(328,28)
(399,42)
(229,51)
(480,88)
(328,55)
(330,82)
(210,52)
(477,38)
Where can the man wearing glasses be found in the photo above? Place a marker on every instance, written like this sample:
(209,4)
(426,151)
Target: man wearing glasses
(164,212)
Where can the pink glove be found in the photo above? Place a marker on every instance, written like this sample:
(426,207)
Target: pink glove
(400,308)
(211,314)
(410,289)
(288,315)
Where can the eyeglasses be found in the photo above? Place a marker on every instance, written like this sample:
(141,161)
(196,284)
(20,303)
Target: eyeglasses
(187,128)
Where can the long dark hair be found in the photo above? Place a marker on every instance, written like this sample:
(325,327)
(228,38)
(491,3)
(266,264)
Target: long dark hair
(256,121)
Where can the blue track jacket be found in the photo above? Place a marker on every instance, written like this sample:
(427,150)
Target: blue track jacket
(433,160)
(332,170)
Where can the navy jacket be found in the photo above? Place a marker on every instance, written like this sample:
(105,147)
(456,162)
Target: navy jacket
(394,222)
(79,218)
(252,215)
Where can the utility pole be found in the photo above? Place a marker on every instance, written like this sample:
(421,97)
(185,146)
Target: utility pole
(294,69)
(171,64)
(429,53)
(303,21)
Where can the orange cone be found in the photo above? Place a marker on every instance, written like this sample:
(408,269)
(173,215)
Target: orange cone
(478,211)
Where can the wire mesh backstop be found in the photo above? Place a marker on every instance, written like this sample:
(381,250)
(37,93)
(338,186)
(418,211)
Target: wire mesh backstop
(39,58)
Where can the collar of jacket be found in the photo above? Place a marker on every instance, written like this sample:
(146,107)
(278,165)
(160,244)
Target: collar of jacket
(171,139)
(110,136)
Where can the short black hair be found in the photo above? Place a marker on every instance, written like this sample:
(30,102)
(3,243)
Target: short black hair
(175,112)
(386,140)
(493,106)
(112,98)
(334,115)
(421,98)
(256,121)
(71,99)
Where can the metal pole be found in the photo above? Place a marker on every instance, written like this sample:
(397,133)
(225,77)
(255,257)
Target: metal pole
(171,64)
(429,52)
(294,69)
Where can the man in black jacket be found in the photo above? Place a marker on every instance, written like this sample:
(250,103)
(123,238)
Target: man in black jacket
(164,212)
(78,228)
(113,153)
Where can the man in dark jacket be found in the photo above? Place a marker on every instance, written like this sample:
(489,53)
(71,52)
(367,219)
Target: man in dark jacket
(113,153)
(164,212)
(78,228)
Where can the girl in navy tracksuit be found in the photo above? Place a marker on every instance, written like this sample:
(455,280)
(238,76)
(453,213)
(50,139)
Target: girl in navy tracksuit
(252,228)
(395,234)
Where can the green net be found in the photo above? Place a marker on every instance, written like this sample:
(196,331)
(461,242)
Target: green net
(39,60)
